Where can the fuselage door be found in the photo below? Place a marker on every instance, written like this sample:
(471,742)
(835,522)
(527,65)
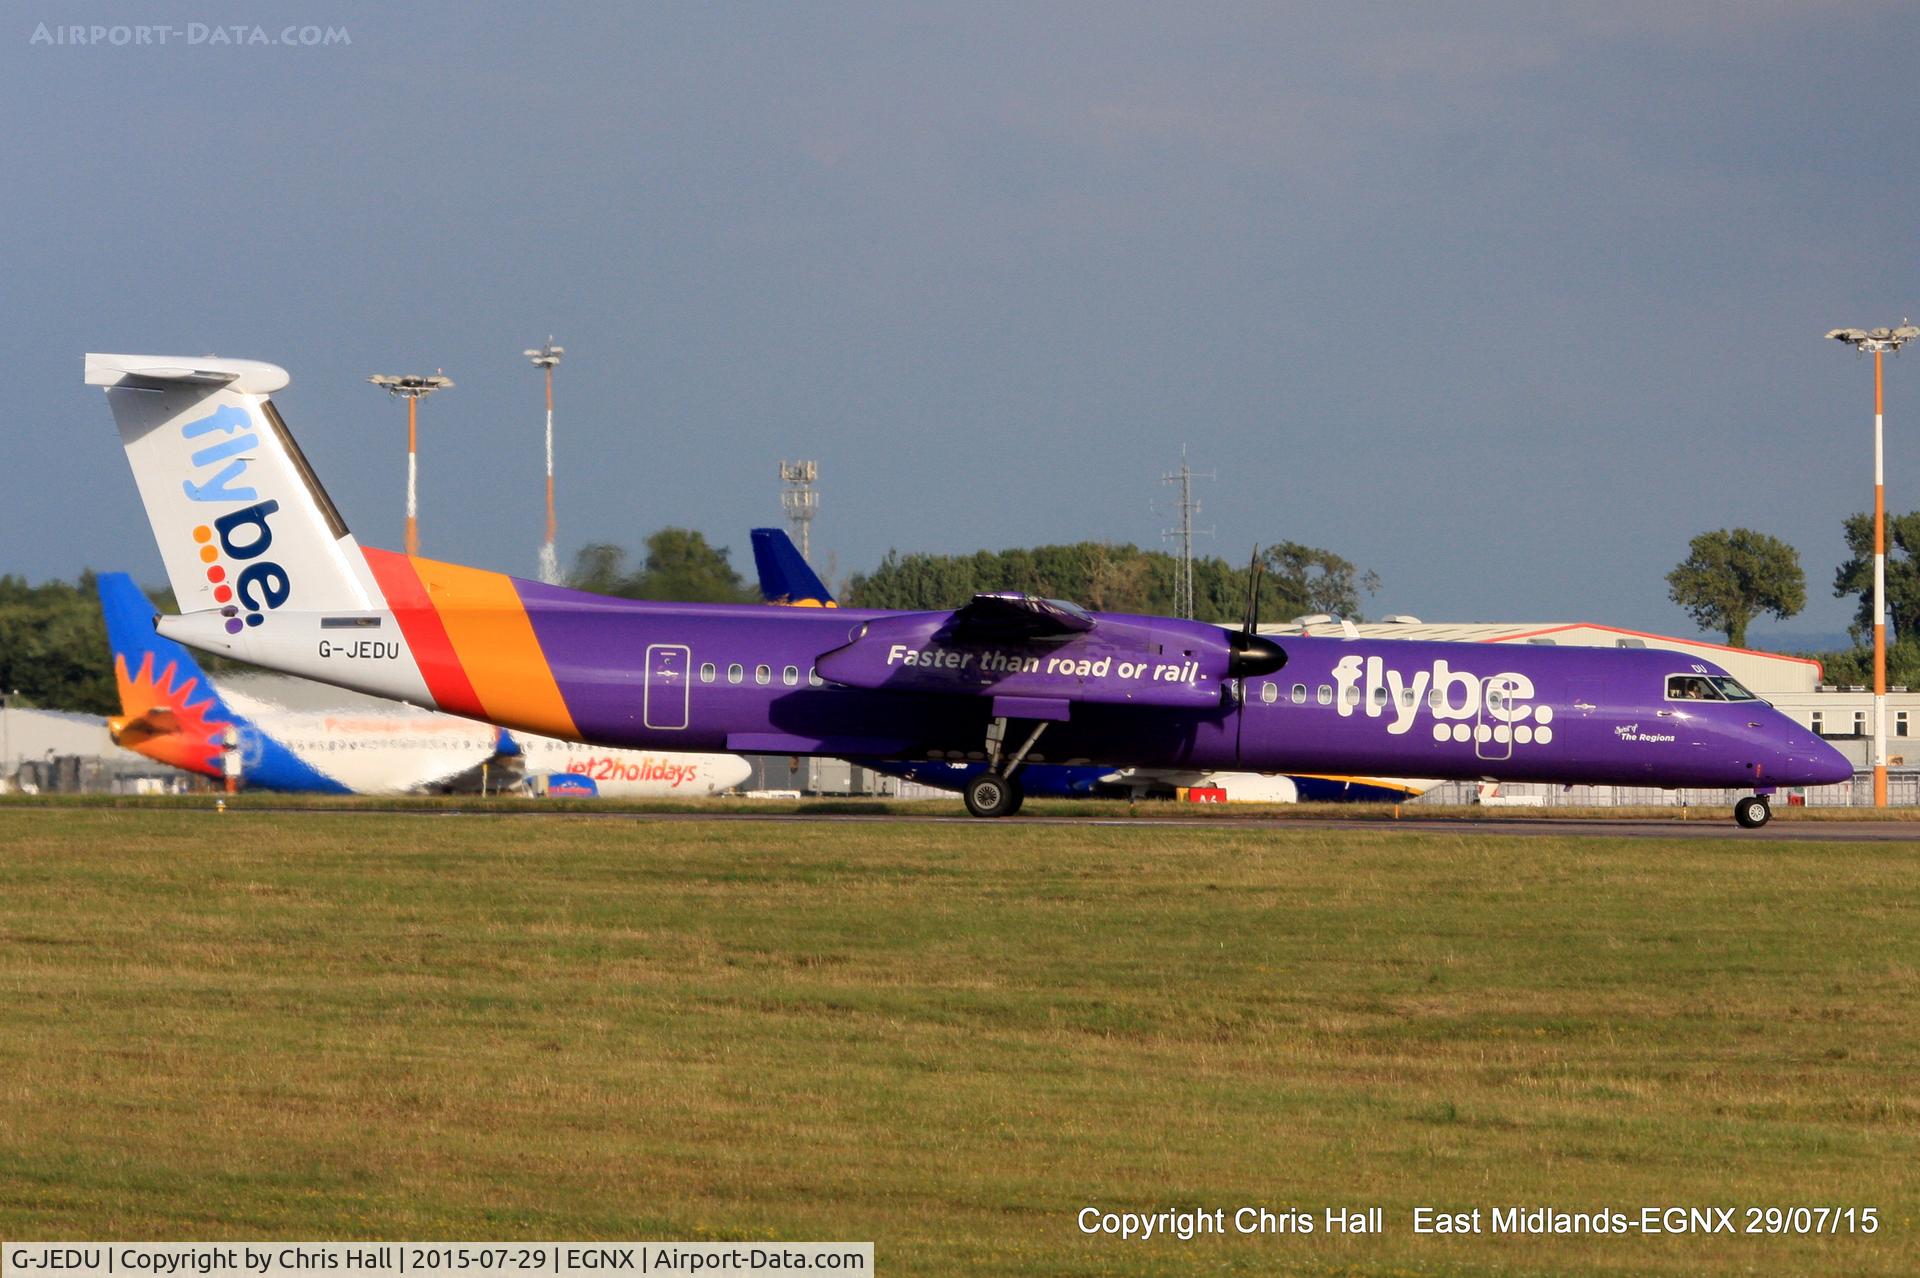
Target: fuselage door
(1493,729)
(664,700)
(1585,695)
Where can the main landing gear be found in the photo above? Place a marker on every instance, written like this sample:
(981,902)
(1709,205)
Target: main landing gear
(1752,812)
(995,792)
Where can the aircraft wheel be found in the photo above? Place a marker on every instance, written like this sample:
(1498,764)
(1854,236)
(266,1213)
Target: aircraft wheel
(1752,812)
(1019,796)
(991,795)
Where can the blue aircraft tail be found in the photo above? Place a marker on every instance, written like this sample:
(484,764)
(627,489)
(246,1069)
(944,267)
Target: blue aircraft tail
(170,710)
(785,577)
(137,647)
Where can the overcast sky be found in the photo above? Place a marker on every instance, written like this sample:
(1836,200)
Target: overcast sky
(1505,302)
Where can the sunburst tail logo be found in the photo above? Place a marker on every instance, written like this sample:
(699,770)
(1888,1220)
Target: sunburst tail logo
(167,715)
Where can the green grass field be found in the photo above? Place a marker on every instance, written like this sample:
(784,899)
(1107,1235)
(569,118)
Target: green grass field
(949,1039)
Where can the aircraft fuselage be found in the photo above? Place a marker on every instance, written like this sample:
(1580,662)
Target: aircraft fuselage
(745,679)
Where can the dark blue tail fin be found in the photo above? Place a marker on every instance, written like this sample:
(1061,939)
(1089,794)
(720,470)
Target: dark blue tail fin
(785,577)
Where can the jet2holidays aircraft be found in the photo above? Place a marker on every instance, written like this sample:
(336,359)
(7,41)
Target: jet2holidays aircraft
(786,578)
(265,570)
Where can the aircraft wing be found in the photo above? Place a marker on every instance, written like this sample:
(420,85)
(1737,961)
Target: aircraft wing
(1048,651)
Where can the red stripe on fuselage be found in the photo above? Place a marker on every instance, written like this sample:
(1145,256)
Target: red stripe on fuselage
(425,633)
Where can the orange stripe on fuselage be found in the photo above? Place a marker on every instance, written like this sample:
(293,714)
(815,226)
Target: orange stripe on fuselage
(426,637)
(493,638)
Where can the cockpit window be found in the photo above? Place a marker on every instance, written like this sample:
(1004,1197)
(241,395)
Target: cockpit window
(1694,688)
(1731,689)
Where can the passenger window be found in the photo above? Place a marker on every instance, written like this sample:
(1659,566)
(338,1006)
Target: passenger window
(736,672)
(1406,696)
(1325,695)
(790,676)
(1353,696)
(814,679)
(1299,694)
(1269,693)
(706,672)
(763,674)
(1433,698)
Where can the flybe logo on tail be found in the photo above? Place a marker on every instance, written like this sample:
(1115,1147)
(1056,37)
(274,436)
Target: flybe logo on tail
(258,587)
(247,585)
(228,454)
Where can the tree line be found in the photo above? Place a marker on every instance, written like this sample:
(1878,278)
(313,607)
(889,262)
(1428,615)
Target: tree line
(53,645)
(1733,575)
(680,564)
(1297,580)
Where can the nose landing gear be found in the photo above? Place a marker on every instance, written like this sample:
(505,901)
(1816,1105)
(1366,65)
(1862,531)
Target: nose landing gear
(1752,812)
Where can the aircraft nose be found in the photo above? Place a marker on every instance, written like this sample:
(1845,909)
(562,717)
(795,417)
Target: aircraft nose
(1811,761)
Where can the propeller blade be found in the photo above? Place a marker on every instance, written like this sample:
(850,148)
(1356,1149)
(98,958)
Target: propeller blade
(1254,575)
(1251,655)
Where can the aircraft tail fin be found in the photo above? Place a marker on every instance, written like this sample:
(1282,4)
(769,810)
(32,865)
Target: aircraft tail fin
(243,525)
(785,577)
(168,709)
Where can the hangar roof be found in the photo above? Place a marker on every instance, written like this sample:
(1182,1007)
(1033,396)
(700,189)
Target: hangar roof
(1767,673)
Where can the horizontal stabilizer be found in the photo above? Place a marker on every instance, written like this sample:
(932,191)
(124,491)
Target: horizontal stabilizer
(249,376)
(160,719)
(129,732)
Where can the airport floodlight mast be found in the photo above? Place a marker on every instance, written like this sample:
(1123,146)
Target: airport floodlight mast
(800,499)
(546,357)
(1879,341)
(412,386)
(1186,507)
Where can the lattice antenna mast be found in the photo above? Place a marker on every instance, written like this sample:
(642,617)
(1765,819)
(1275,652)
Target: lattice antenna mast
(1186,506)
(800,500)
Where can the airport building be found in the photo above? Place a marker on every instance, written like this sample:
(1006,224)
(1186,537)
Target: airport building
(1794,685)
(57,752)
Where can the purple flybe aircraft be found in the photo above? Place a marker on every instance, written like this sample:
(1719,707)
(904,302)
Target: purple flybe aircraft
(265,570)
